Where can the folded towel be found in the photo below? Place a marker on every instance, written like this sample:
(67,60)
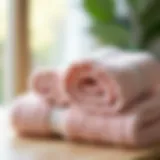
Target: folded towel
(139,126)
(108,84)
(49,84)
(30,115)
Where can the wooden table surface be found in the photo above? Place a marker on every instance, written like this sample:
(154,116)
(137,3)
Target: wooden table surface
(13,147)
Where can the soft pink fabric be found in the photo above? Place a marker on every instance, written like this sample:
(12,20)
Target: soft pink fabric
(30,115)
(109,84)
(49,84)
(139,126)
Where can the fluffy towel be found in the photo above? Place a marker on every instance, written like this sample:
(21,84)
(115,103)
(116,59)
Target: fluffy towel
(49,84)
(110,84)
(30,115)
(139,126)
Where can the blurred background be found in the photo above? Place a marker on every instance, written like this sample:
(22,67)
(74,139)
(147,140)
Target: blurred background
(51,33)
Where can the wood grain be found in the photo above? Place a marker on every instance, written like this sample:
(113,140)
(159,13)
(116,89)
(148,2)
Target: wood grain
(22,57)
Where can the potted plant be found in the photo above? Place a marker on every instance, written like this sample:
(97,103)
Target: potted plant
(138,29)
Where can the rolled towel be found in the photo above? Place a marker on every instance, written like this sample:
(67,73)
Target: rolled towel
(30,116)
(109,84)
(138,127)
(49,84)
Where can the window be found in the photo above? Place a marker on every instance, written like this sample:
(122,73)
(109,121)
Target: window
(29,37)
(3,38)
(47,18)
(37,33)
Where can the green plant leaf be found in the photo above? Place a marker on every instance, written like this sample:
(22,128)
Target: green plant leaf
(100,10)
(139,5)
(150,23)
(150,12)
(150,33)
(111,34)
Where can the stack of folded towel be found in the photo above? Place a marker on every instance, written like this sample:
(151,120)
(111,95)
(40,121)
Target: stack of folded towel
(113,98)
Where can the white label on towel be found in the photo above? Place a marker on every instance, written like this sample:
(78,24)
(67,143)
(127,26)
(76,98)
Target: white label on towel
(57,120)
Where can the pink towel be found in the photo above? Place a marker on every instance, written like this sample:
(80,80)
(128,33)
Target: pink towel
(30,115)
(112,84)
(109,84)
(49,84)
(139,126)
